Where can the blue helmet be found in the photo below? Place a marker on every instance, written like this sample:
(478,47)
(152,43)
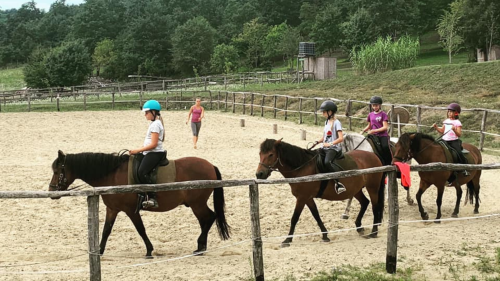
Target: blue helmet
(151,105)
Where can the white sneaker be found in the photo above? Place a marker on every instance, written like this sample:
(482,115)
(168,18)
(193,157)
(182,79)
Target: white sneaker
(339,188)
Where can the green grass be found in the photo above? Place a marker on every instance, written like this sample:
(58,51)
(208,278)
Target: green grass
(11,79)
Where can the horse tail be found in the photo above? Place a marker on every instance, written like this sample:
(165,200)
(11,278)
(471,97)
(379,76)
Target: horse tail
(470,192)
(219,206)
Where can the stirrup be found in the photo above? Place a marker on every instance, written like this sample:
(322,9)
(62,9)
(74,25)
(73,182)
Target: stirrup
(466,173)
(150,203)
(339,188)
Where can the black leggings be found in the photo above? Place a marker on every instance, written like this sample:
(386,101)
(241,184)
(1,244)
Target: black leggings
(148,163)
(457,145)
(386,150)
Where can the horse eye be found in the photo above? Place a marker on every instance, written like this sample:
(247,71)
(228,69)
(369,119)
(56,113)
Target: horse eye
(271,155)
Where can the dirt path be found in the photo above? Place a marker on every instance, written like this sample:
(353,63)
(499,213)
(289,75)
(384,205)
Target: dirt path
(50,236)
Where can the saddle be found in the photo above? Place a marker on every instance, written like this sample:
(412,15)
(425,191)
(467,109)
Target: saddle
(377,147)
(152,177)
(342,163)
(320,162)
(454,154)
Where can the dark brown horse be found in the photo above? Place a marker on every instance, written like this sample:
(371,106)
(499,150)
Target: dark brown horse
(292,161)
(424,149)
(99,169)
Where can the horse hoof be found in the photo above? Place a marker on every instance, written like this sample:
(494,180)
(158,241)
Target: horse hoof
(285,245)
(476,212)
(326,239)
(149,257)
(360,230)
(454,215)
(344,216)
(425,216)
(437,221)
(199,252)
(373,235)
(411,202)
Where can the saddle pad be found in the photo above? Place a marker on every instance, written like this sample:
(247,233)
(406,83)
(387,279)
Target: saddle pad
(165,173)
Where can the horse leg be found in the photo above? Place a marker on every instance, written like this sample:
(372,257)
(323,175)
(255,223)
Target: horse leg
(108,226)
(439,201)
(458,188)
(299,206)
(475,190)
(314,211)
(408,198)
(139,226)
(363,201)
(206,218)
(423,187)
(345,215)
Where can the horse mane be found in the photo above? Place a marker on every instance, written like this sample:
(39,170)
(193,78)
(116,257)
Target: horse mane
(291,154)
(93,166)
(415,144)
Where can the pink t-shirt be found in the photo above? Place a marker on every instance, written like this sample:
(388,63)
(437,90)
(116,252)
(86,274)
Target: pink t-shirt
(449,134)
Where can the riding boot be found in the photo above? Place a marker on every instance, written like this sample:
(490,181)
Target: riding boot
(150,201)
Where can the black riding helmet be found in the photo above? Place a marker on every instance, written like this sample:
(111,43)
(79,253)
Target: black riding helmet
(327,106)
(376,100)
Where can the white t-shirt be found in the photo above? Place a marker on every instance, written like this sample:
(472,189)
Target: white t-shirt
(330,133)
(154,127)
(449,134)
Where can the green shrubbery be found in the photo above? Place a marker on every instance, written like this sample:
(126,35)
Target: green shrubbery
(385,54)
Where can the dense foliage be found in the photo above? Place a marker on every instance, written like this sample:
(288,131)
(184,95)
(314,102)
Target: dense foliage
(173,38)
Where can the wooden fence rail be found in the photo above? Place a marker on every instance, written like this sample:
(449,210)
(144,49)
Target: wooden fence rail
(179,98)
(258,263)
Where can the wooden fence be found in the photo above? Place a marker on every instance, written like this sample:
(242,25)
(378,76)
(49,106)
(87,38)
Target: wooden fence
(249,103)
(258,261)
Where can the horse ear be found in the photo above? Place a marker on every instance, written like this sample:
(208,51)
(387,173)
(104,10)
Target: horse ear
(61,154)
(279,141)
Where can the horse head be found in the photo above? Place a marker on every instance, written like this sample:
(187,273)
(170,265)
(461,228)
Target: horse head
(269,158)
(62,177)
(402,151)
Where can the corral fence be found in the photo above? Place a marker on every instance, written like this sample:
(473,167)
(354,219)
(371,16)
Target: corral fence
(485,122)
(258,261)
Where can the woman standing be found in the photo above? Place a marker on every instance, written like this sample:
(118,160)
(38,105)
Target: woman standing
(196,113)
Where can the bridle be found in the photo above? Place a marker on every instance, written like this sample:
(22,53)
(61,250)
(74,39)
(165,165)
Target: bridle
(278,160)
(62,180)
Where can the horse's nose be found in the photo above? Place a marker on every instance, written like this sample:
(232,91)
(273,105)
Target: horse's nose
(259,175)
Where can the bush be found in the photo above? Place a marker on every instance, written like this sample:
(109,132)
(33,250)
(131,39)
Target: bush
(385,55)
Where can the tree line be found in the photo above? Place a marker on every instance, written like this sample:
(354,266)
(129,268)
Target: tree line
(172,38)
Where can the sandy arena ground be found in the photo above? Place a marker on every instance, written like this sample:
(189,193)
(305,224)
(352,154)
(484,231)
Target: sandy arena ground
(43,239)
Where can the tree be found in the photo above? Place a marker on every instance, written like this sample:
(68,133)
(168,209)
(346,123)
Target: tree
(68,65)
(104,53)
(35,71)
(449,29)
(192,45)
(224,59)
(358,30)
(251,41)
(326,31)
(55,25)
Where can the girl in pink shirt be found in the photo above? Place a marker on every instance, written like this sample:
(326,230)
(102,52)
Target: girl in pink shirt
(196,113)
(452,130)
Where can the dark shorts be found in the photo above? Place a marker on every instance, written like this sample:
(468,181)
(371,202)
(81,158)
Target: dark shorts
(195,127)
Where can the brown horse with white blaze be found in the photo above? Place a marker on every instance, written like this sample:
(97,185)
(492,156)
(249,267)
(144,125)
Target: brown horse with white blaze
(292,161)
(100,169)
(424,149)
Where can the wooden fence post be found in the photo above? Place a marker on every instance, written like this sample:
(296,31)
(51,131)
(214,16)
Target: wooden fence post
(286,108)
(84,101)
(300,110)
(348,113)
(29,101)
(57,102)
(113,100)
(316,111)
(303,134)
(1,104)
(242,122)
(210,96)
(262,106)
(93,229)
(252,97)
(275,128)
(166,101)
(244,101)
(163,85)
(225,83)
(225,102)
(419,118)
(258,260)
(392,228)
(391,126)
(483,128)
(218,100)
(234,101)
(275,99)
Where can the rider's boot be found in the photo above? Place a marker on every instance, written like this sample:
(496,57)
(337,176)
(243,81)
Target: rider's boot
(150,201)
